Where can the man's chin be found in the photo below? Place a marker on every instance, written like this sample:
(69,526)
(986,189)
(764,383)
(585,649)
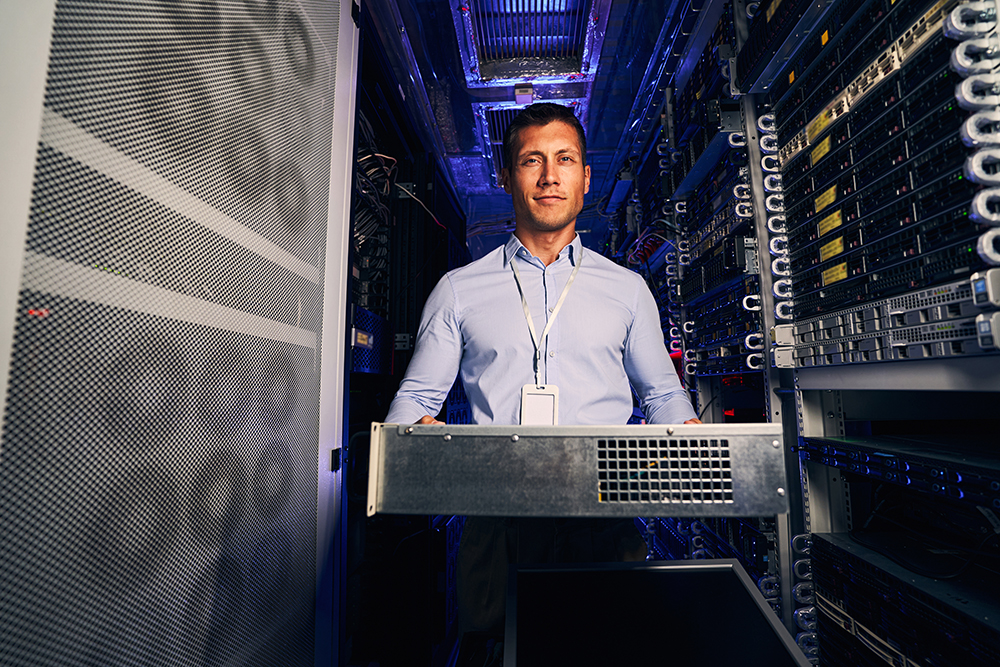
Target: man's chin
(549,224)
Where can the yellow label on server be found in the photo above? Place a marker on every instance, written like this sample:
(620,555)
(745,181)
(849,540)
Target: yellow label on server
(826,198)
(824,38)
(820,151)
(791,78)
(834,274)
(772,9)
(830,223)
(831,249)
(820,123)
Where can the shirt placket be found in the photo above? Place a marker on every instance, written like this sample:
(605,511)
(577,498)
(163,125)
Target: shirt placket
(546,290)
(552,279)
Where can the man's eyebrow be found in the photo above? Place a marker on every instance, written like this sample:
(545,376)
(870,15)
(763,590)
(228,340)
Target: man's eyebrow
(561,151)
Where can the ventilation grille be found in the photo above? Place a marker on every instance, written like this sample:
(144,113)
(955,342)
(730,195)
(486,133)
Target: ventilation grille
(675,471)
(535,36)
(507,29)
(497,121)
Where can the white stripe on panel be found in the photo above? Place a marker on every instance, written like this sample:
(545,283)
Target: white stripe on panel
(63,135)
(55,276)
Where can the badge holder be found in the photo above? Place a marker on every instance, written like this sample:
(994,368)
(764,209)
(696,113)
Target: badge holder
(539,405)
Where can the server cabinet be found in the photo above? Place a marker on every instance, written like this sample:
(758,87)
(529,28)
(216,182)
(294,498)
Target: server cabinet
(173,308)
(883,254)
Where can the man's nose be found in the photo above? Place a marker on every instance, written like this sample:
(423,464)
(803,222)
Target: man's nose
(549,174)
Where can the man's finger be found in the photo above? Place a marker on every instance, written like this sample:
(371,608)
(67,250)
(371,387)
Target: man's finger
(427,419)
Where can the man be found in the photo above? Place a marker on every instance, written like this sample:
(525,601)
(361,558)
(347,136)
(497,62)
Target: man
(540,311)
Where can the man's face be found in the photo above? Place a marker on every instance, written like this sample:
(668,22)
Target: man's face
(548,178)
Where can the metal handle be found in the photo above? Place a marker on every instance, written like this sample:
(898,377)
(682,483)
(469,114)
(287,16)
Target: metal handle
(783,310)
(769,143)
(781,266)
(981,129)
(983,166)
(775,203)
(971,20)
(985,207)
(754,341)
(976,56)
(778,245)
(979,91)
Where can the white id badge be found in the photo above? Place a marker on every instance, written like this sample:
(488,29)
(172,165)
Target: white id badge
(539,405)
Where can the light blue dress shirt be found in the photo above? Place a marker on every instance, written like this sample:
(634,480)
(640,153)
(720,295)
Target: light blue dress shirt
(606,335)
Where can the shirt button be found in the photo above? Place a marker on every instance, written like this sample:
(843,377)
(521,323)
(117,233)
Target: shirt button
(552,354)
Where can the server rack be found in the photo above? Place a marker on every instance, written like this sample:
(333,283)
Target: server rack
(691,225)
(888,348)
(823,241)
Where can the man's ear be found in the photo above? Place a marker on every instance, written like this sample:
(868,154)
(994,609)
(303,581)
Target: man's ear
(586,179)
(505,179)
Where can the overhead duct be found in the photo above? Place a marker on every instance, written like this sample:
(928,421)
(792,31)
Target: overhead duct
(547,41)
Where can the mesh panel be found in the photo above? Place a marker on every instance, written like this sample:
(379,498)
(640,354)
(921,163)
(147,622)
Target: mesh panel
(664,471)
(158,487)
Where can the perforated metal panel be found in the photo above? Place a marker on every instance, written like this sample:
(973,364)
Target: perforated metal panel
(158,486)
(664,471)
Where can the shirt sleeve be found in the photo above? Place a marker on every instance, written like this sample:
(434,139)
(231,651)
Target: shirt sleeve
(436,358)
(649,368)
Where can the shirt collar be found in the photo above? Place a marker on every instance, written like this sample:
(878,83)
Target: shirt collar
(514,246)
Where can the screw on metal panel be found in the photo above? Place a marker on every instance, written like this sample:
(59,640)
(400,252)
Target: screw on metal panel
(408,431)
(670,431)
(775,444)
(514,438)
(829,415)
(447,437)
(781,491)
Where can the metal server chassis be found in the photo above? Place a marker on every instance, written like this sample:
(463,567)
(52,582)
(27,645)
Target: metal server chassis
(578,471)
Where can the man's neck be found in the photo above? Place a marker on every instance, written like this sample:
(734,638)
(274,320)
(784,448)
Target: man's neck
(546,246)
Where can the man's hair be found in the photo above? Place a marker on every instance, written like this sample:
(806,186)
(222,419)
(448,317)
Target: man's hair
(538,115)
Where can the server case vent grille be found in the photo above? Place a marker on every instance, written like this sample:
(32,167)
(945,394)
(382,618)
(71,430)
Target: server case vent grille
(664,471)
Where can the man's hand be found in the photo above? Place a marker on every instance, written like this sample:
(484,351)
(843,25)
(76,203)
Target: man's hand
(427,419)
(693,421)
